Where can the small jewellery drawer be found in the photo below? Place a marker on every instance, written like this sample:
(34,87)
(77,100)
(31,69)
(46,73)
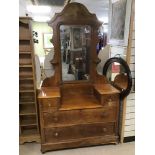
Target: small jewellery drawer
(78,131)
(48,105)
(80,116)
(110,99)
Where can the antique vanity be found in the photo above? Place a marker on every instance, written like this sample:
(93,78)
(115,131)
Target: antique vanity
(77,106)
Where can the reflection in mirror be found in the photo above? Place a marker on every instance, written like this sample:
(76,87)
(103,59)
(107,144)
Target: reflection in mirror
(75,52)
(117,75)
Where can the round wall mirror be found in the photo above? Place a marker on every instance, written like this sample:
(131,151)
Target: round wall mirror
(118,74)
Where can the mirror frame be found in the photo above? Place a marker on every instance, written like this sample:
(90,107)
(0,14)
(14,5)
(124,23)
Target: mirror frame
(72,14)
(124,92)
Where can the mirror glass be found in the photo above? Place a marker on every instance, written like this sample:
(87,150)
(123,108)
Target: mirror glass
(117,75)
(75,52)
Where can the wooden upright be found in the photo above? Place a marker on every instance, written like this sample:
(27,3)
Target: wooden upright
(29,129)
(77,113)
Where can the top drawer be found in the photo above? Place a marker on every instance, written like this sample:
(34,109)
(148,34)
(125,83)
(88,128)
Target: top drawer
(107,99)
(49,104)
(110,99)
(61,118)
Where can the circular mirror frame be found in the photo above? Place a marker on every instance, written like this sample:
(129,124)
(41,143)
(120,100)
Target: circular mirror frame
(126,91)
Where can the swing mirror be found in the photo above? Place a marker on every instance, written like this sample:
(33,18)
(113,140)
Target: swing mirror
(75,52)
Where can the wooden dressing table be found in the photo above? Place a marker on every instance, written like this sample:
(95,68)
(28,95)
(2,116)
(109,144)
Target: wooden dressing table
(82,112)
(78,119)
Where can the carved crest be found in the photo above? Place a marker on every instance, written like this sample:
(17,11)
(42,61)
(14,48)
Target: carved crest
(72,14)
(76,12)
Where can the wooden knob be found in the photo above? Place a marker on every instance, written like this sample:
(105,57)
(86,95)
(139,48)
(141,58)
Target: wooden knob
(55,119)
(49,104)
(104,114)
(56,134)
(104,129)
(110,99)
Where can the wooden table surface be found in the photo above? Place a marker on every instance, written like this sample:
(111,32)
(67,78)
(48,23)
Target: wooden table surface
(49,92)
(106,89)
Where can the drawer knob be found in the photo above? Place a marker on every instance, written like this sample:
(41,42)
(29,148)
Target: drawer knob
(105,114)
(104,129)
(56,134)
(49,104)
(110,99)
(55,119)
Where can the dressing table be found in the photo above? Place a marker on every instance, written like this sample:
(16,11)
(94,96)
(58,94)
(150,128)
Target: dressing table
(77,106)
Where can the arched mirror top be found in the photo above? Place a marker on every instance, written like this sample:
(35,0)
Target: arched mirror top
(76,14)
(75,55)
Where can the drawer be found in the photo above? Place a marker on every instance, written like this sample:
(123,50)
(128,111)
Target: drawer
(107,99)
(61,118)
(48,105)
(110,99)
(78,131)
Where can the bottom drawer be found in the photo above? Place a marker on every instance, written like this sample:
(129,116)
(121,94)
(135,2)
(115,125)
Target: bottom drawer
(78,131)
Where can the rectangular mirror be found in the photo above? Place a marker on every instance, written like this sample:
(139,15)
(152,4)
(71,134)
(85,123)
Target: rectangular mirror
(75,52)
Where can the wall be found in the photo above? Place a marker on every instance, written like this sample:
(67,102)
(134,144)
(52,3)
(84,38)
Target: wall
(22,8)
(116,50)
(130,108)
(122,49)
(41,28)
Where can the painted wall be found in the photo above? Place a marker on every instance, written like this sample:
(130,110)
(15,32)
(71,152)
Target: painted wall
(22,8)
(41,28)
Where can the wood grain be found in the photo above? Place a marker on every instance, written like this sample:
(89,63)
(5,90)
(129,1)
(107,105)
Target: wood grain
(71,113)
(28,110)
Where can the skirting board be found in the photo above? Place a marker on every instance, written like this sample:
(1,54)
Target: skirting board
(129,139)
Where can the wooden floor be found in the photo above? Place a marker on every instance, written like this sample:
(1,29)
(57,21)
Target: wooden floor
(120,149)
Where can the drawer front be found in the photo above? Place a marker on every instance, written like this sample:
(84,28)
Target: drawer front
(48,105)
(80,116)
(78,131)
(110,99)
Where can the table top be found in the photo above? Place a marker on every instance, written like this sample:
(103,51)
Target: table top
(106,89)
(49,92)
